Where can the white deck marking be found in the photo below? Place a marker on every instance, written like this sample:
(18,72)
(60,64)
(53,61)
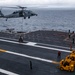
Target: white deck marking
(55,49)
(10,41)
(38,43)
(7,72)
(36,46)
(28,56)
(55,46)
(31,43)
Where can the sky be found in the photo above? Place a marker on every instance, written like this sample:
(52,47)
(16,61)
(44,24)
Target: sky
(39,3)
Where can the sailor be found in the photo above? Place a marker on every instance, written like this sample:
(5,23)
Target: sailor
(73,40)
(70,47)
(20,39)
(69,34)
(59,53)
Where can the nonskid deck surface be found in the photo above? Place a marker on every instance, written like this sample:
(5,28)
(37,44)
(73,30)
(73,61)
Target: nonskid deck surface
(15,57)
(46,37)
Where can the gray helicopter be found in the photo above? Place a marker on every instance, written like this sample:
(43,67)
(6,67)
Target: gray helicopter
(19,13)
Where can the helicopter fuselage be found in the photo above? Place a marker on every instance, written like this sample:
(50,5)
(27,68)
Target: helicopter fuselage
(19,13)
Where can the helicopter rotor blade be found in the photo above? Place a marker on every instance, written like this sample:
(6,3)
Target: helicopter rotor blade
(18,7)
(12,7)
(8,7)
(22,7)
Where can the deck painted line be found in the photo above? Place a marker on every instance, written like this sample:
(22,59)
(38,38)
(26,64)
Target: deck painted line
(7,72)
(55,49)
(1,50)
(68,37)
(31,43)
(37,43)
(31,57)
(8,38)
(55,46)
(10,41)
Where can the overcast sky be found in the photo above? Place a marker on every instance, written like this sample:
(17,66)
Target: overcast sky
(48,3)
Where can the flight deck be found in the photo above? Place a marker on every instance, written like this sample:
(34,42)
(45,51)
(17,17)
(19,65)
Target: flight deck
(36,57)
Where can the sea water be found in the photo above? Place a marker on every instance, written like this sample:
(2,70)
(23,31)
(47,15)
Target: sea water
(47,19)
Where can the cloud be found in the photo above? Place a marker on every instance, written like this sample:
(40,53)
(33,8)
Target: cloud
(39,2)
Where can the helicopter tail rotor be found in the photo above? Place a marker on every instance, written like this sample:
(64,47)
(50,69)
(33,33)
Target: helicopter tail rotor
(0,9)
(1,14)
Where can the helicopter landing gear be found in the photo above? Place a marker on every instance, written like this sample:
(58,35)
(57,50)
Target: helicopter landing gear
(6,19)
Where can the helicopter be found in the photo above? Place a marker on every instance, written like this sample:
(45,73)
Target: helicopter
(19,13)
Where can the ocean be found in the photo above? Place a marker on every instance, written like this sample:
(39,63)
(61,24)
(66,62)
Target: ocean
(47,19)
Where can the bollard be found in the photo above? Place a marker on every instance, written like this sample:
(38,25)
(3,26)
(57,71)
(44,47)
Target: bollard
(30,65)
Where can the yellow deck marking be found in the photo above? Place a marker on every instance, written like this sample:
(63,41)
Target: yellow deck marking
(1,50)
(55,62)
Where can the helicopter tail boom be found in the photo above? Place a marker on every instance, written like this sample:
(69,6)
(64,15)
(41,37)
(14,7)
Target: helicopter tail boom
(1,14)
